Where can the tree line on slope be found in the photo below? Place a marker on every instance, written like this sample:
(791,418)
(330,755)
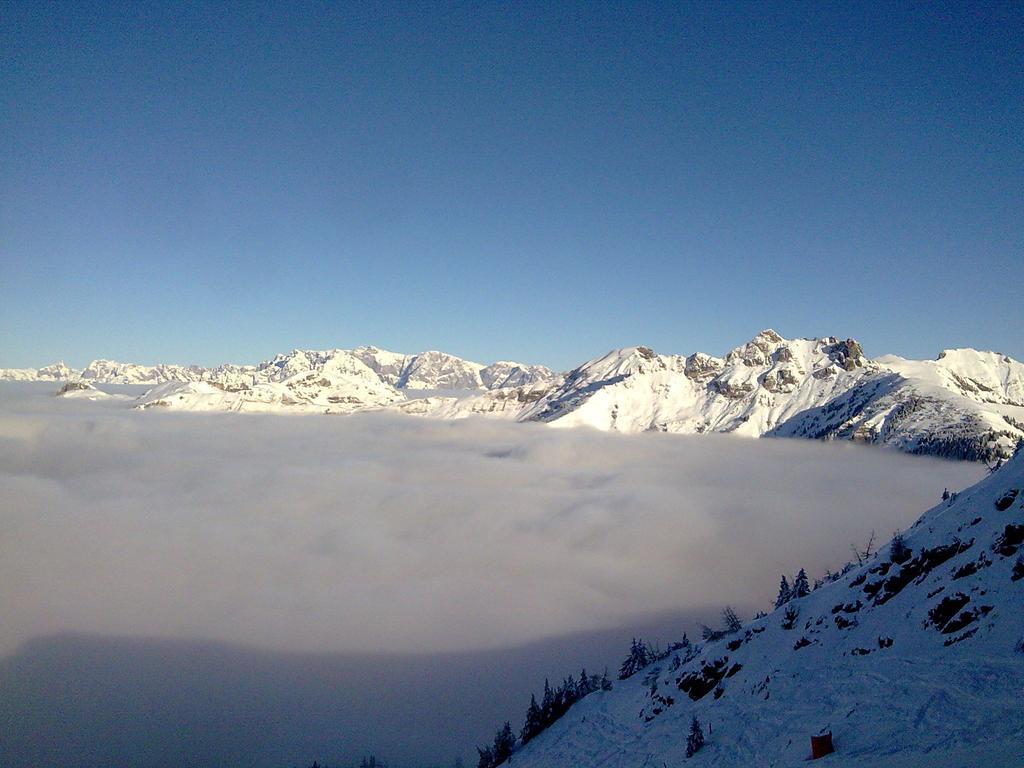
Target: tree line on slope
(554,703)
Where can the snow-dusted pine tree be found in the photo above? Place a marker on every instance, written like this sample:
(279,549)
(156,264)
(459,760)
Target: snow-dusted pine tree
(639,657)
(534,721)
(547,705)
(899,552)
(504,743)
(584,686)
(730,620)
(785,594)
(801,586)
(695,739)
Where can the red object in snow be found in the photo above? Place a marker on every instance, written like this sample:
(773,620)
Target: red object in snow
(821,745)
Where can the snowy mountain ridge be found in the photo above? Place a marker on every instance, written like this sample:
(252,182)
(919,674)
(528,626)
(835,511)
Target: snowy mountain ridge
(426,370)
(913,658)
(965,404)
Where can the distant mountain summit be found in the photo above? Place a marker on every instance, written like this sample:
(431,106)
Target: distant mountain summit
(966,404)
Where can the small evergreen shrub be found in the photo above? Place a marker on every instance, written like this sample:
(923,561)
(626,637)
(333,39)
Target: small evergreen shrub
(695,739)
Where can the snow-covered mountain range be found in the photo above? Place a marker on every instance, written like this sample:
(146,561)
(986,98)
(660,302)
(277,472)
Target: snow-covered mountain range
(965,404)
(426,370)
(913,658)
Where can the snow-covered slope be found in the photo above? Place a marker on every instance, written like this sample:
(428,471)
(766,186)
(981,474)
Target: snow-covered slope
(914,416)
(917,662)
(437,370)
(503,402)
(56,372)
(113,372)
(80,390)
(388,365)
(21,374)
(504,374)
(313,382)
(751,390)
(987,377)
(966,405)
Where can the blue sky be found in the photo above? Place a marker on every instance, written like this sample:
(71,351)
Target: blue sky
(199,183)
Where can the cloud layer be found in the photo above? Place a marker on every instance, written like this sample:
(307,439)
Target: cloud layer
(380,532)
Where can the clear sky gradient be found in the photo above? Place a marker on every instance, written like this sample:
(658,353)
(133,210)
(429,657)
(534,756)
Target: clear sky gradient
(201,183)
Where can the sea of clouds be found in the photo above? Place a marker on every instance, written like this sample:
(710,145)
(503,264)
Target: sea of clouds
(382,532)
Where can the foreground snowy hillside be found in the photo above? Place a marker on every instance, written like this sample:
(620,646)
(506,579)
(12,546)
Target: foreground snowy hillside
(966,404)
(915,658)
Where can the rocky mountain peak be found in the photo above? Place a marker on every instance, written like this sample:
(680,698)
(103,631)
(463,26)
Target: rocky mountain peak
(439,370)
(57,371)
(758,351)
(847,354)
(702,366)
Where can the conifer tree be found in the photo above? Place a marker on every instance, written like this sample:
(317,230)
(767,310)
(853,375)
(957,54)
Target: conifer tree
(730,621)
(785,594)
(583,687)
(564,697)
(504,743)
(899,552)
(534,721)
(486,757)
(801,586)
(570,696)
(639,657)
(695,739)
(547,704)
